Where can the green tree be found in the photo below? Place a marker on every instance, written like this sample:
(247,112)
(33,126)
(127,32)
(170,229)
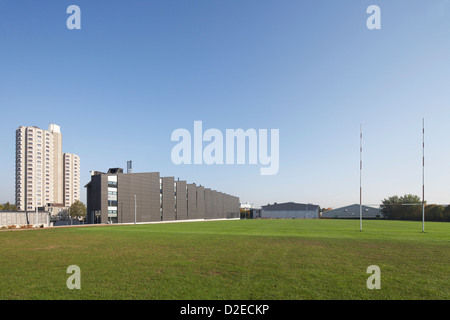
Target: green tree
(407,207)
(446,214)
(7,206)
(77,209)
(434,212)
(245,213)
(1,207)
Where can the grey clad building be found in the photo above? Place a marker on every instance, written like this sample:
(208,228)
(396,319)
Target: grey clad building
(290,210)
(352,211)
(118,197)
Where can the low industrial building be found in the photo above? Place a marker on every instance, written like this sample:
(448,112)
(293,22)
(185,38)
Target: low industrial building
(255,213)
(118,197)
(352,211)
(290,210)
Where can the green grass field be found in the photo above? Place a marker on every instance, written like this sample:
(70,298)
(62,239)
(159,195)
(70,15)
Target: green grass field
(229,260)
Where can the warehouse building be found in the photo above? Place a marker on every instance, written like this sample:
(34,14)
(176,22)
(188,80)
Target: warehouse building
(290,210)
(352,211)
(118,197)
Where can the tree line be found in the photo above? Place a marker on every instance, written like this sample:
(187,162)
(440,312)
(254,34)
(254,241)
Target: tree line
(409,207)
(77,209)
(8,207)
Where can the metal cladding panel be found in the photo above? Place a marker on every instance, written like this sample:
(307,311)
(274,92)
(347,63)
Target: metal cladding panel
(200,203)
(235,207)
(150,194)
(227,205)
(215,207)
(104,198)
(178,200)
(168,199)
(290,206)
(352,211)
(220,199)
(89,206)
(181,208)
(125,200)
(289,214)
(192,201)
(208,203)
(146,188)
(93,199)
(220,196)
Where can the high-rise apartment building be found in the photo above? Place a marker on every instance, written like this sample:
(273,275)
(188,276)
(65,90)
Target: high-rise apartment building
(44,175)
(71,179)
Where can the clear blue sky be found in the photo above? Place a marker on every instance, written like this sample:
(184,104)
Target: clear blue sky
(138,70)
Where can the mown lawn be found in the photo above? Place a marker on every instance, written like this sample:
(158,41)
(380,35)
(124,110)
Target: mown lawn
(229,260)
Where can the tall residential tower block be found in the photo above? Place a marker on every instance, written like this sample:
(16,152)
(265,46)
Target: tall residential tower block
(44,174)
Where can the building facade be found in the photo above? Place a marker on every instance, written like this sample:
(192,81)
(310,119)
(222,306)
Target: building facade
(71,178)
(118,197)
(42,176)
(289,210)
(352,211)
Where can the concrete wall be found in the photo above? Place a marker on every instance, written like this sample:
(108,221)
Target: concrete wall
(22,218)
